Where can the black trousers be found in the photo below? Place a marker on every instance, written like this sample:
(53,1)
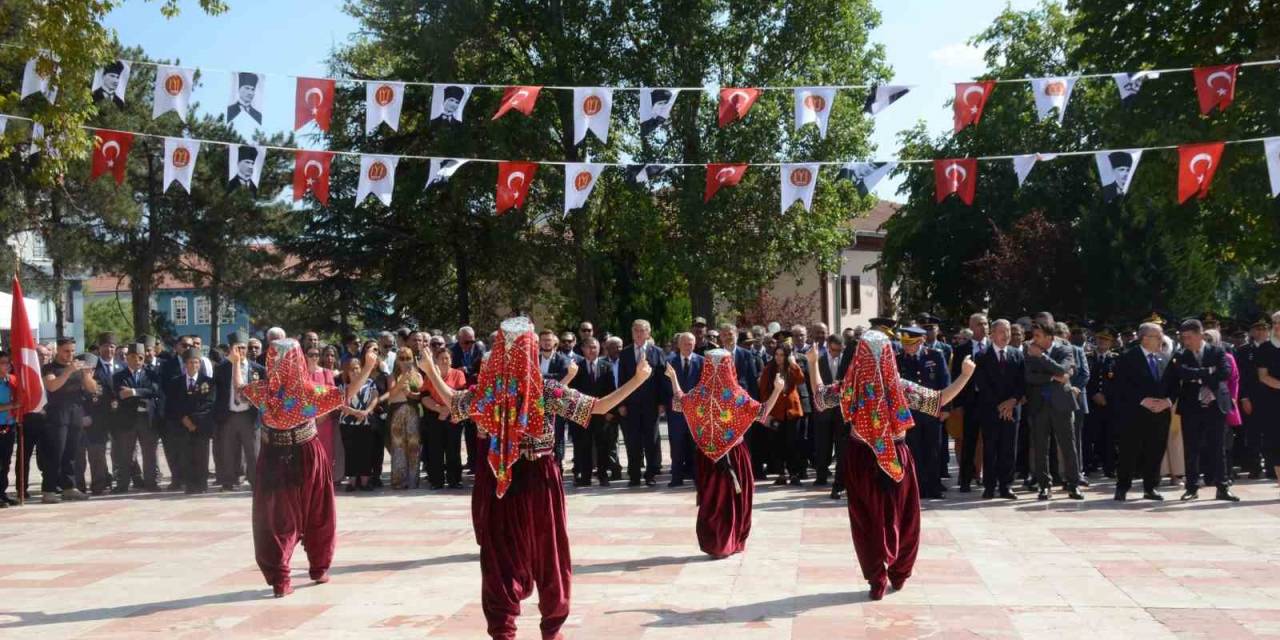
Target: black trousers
(1099,444)
(758,440)
(64,436)
(8,438)
(925,442)
(999,448)
(1203,450)
(969,445)
(196,446)
(640,433)
(444,442)
(359,443)
(1142,437)
(785,441)
(1248,448)
(591,448)
(825,428)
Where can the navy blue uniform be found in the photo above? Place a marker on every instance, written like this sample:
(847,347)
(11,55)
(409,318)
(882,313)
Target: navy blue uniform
(927,367)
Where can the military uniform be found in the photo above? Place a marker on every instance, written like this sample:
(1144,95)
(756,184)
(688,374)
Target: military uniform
(1099,440)
(927,368)
(1248,447)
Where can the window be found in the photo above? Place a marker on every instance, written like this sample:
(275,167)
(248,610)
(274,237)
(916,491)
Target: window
(855,294)
(38,251)
(178,309)
(844,298)
(203,311)
(226,313)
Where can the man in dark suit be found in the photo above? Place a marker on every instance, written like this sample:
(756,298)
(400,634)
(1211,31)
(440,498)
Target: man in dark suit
(829,429)
(102,411)
(236,417)
(967,448)
(608,444)
(468,354)
(190,398)
(594,378)
(1201,371)
(1001,389)
(688,366)
(747,365)
(924,366)
(1140,396)
(640,430)
(1249,445)
(1048,368)
(553,365)
(137,394)
(1099,428)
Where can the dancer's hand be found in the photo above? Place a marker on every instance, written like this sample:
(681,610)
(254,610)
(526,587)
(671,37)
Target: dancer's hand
(811,356)
(671,374)
(643,368)
(967,367)
(779,382)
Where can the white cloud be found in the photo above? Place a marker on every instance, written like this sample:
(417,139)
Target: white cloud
(959,56)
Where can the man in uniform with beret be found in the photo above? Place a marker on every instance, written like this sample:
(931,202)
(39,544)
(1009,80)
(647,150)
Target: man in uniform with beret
(926,367)
(1099,442)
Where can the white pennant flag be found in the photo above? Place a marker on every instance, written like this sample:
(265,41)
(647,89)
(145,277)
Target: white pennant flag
(884,95)
(591,109)
(1130,84)
(813,105)
(442,169)
(865,174)
(579,180)
(1115,169)
(1271,146)
(377,177)
(655,108)
(180,161)
(39,142)
(798,181)
(244,166)
(4,121)
(448,101)
(1023,164)
(172,91)
(247,95)
(33,82)
(1052,93)
(382,104)
(110,80)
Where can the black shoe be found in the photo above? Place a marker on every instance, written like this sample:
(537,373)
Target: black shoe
(675,483)
(1152,495)
(436,486)
(1224,493)
(634,482)
(604,481)
(965,488)
(821,482)
(350,488)
(1074,493)
(1255,475)
(835,494)
(795,480)
(780,482)
(1044,494)
(650,482)
(458,485)
(119,491)
(1121,496)
(988,494)
(174,486)
(1084,482)
(581,482)
(1007,494)
(1190,494)
(9,501)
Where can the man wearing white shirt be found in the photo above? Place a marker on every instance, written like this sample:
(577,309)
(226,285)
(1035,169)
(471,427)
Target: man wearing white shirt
(235,417)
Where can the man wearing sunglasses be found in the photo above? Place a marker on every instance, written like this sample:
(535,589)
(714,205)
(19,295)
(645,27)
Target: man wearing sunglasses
(467,354)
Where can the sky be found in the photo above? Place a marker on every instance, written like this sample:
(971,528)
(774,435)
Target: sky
(924,43)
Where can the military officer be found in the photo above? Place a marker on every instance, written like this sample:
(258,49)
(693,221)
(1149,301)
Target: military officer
(1099,441)
(924,366)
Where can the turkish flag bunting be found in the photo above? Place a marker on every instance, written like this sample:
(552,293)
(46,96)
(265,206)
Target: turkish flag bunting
(722,175)
(519,98)
(1215,86)
(28,392)
(1196,165)
(958,176)
(735,103)
(110,152)
(314,101)
(513,183)
(971,97)
(311,173)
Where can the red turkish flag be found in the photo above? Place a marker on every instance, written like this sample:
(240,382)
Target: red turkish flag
(971,97)
(735,103)
(958,176)
(28,390)
(1196,165)
(110,152)
(314,101)
(1215,86)
(722,175)
(513,183)
(311,173)
(519,98)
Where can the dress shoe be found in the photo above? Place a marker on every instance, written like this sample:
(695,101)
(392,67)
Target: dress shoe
(580,482)
(1152,495)
(675,483)
(1044,494)
(1121,496)
(74,494)
(795,480)
(1224,493)
(119,491)
(174,486)
(835,494)
(604,481)
(1190,494)
(1074,493)
(458,485)
(1007,494)
(780,481)
(821,482)
(634,482)
(988,494)
(650,482)
(965,488)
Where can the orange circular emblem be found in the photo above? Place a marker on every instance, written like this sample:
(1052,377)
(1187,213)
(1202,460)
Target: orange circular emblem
(815,103)
(173,84)
(384,95)
(801,177)
(582,180)
(1055,89)
(181,157)
(592,105)
(377,171)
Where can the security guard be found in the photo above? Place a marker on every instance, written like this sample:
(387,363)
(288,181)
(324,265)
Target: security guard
(926,367)
(1099,439)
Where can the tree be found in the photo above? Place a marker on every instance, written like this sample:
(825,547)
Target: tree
(109,315)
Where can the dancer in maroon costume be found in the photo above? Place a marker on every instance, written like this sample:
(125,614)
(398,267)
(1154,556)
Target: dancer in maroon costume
(517,505)
(884,499)
(293,485)
(719,412)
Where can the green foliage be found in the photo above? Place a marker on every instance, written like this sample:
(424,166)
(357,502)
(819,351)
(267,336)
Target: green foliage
(109,315)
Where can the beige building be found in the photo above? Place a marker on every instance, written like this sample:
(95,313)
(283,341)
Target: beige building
(857,293)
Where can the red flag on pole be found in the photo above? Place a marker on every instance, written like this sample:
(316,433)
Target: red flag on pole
(1196,165)
(735,103)
(720,174)
(971,98)
(29,388)
(313,101)
(958,176)
(311,173)
(513,183)
(110,152)
(1215,86)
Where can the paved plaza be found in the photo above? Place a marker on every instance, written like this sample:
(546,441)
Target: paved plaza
(182,568)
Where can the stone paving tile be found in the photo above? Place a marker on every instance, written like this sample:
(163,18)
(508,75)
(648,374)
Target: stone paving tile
(181,567)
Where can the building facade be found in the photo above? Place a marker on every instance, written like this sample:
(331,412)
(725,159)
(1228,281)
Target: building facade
(186,308)
(37,267)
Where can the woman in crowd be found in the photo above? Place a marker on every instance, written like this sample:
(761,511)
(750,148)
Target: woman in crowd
(783,419)
(326,426)
(329,358)
(403,397)
(359,439)
(444,437)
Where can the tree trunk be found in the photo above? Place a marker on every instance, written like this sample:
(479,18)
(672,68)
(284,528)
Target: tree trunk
(140,292)
(215,296)
(59,299)
(463,269)
(703,300)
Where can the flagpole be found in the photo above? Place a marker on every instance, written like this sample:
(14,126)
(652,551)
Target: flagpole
(20,479)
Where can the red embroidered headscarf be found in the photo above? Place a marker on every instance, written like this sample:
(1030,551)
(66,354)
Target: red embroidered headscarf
(718,411)
(287,397)
(871,399)
(508,400)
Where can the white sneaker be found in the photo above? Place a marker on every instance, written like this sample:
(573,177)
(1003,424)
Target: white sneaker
(74,494)
(49,497)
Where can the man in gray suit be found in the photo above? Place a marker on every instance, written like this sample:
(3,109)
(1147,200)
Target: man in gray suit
(1049,366)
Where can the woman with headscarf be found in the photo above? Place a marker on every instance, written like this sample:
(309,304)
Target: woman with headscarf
(719,412)
(517,505)
(293,482)
(884,499)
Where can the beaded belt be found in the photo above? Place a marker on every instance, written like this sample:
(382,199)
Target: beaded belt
(290,437)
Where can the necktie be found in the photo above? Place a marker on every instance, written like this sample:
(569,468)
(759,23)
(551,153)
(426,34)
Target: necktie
(1000,356)
(191,385)
(591,371)
(684,367)
(1155,370)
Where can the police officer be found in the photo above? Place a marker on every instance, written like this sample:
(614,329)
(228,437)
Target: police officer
(926,367)
(1249,445)
(1099,442)
(930,324)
